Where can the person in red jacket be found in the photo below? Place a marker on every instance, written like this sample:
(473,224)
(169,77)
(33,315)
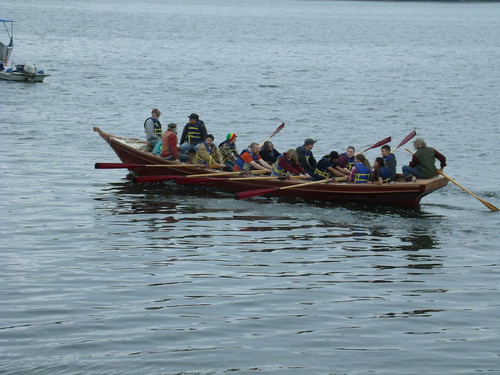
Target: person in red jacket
(288,162)
(169,149)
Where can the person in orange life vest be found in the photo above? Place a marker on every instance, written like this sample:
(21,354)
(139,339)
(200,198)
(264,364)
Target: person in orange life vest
(269,153)
(229,152)
(288,163)
(380,173)
(152,128)
(169,149)
(389,160)
(360,173)
(209,154)
(193,134)
(250,159)
(306,157)
(347,160)
(327,167)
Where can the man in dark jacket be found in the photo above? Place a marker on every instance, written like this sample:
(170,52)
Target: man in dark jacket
(422,163)
(389,160)
(193,134)
(306,157)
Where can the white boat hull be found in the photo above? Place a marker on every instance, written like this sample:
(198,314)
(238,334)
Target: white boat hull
(23,77)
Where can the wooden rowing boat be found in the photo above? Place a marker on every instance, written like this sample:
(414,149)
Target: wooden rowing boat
(399,193)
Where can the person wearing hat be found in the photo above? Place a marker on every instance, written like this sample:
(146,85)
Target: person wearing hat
(152,128)
(327,167)
(306,157)
(169,149)
(193,134)
(229,152)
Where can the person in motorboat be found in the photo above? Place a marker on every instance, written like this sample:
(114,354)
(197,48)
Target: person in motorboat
(269,153)
(422,164)
(250,159)
(306,157)
(288,163)
(360,173)
(380,173)
(152,128)
(208,153)
(328,167)
(229,152)
(193,134)
(169,150)
(3,65)
(347,160)
(389,160)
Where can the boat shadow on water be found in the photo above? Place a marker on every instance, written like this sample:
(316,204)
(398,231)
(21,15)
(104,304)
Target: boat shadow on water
(153,197)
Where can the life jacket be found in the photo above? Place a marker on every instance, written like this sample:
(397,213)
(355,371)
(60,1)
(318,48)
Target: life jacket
(278,169)
(307,153)
(209,150)
(321,172)
(241,163)
(194,133)
(156,125)
(224,151)
(389,157)
(386,174)
(350,161)
(362,174)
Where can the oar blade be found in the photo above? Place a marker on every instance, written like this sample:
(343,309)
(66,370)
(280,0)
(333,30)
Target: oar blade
(407,138)
(146,179)
(253,193)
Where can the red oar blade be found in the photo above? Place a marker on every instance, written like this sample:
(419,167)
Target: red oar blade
(278,129)
(378,144)
(254,193)
(407,138)
(145,179)
(116,165)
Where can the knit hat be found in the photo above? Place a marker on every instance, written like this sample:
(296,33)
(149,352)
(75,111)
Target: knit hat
(230,137)
(172,126)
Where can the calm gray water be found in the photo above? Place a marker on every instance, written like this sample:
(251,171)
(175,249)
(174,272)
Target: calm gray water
(103,277)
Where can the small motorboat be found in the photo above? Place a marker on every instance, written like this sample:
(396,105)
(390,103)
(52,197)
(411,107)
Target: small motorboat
(20,72)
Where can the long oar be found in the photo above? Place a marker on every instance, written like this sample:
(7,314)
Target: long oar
(487,204)
(257,192)
(144,179)
(196,180)
(132,165)
(407,138)
(278,129)
(379,143)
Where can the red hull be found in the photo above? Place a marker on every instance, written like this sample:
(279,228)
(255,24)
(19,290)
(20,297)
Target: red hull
(131,150)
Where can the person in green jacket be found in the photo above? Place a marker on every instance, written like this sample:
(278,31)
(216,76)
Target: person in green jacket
(422,165)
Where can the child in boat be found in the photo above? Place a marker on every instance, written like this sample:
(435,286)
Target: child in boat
(360,173)
(380,173)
